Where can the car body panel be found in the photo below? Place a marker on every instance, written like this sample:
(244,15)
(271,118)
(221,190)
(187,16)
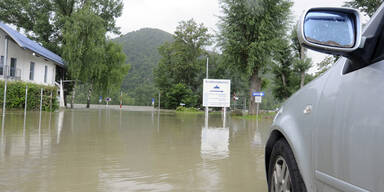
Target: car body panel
(296,126)
(350,127)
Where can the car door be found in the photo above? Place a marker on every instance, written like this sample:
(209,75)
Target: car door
(348,139)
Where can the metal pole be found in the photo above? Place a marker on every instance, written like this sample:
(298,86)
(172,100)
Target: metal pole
(26,100)
(225,116)
(207,67)
(41,107)
(41,99)
(206,108)
(257,111)
(50,103)
(5,74)
(159,101)
(25,108)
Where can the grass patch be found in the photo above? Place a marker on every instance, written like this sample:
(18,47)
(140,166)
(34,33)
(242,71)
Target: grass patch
(182,109)
(263,115)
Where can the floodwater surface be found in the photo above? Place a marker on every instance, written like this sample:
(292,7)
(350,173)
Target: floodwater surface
(112,150)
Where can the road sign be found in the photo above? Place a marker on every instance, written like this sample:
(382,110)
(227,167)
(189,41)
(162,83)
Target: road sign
(258,94)
(258,99)
(216,93)
(153,101)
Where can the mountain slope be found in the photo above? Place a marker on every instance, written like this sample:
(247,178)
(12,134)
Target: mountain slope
(141,48)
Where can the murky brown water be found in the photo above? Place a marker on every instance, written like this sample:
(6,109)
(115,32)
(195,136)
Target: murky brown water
(107,150)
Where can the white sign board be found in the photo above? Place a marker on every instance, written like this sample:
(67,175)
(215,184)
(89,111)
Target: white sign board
(258,99)
(216,93)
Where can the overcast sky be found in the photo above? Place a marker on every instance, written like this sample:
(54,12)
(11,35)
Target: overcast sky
(165,14)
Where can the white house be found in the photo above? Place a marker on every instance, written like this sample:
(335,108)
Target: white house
(26,60)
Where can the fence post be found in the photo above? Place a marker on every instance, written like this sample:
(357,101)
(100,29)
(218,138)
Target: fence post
(26,100)
(41,99)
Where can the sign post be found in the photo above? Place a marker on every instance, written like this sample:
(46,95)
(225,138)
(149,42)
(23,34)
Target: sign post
(258,97)
(216,93)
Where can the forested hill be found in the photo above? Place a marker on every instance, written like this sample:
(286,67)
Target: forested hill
(141,48)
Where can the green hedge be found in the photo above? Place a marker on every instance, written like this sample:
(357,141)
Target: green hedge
(16,96)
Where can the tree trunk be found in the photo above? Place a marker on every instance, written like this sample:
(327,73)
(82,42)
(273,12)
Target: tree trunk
(255,85)
(65,100)
(89,96)
(73,94)
(284,81)
(302,79)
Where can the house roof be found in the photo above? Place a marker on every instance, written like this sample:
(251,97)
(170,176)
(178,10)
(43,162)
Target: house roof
(26,43)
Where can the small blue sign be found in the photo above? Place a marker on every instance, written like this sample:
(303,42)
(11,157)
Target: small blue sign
(258,94)
(153,100)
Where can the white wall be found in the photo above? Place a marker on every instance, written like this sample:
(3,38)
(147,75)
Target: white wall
(24,58)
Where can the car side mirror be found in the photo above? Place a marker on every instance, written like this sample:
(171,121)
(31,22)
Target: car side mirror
(330,30)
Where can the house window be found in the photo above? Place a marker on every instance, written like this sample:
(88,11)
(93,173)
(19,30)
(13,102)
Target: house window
(45,74)
(1,65)
(13,67)
(31,70)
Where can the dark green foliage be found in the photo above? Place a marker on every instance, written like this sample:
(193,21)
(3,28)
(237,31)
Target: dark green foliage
(43,20)
(249,34)
(177,94)
(282,70)
(180,72)
(83,50)
(16,96)
(141,48)
(113,71)
(368,7)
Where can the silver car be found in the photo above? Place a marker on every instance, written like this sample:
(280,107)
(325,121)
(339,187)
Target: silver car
(329,136)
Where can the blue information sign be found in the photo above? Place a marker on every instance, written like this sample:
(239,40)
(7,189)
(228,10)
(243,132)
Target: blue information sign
(258,94)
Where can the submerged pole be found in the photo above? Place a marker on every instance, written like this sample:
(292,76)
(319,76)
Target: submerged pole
(5,74)
(26,100)
(41,99)
(206,108)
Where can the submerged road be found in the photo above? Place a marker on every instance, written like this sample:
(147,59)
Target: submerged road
(117,150)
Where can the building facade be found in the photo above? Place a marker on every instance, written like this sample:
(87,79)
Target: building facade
(26,60)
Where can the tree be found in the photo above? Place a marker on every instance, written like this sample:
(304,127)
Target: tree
(301,63)
(44,20)
(325,64)
(282,70)
(113,70)
(368,7)
(183,60)
(249,33)
(83,50)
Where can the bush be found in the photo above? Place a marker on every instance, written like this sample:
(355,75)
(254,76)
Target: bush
(179,93)
(187,109)
(16,96)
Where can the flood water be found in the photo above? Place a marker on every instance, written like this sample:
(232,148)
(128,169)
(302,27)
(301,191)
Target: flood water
(112,150)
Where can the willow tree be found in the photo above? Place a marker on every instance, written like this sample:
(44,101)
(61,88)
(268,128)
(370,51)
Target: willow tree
(249,33)
(83,50)
(44,20)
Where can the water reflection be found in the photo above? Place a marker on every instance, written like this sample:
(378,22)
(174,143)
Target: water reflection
(214,143)
(108,150)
